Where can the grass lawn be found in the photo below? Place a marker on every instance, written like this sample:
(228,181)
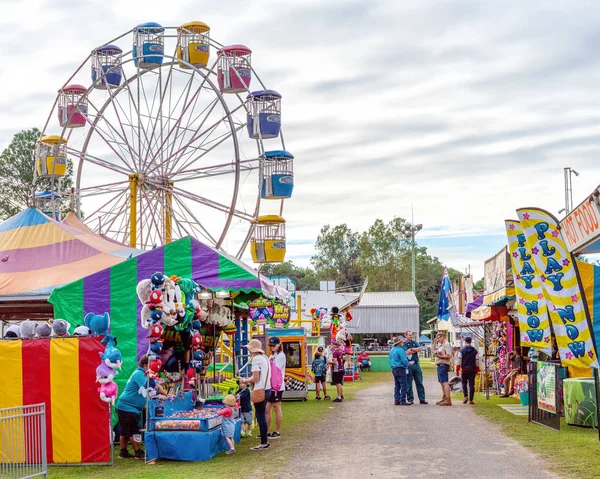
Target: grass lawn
(572,452)
(299,418)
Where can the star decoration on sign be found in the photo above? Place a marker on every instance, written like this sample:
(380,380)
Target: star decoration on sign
(522,301)
(543,278)
(546,339)
(566,262)
(574,298)
(569,355)
(540,295)
(511,227)
(554,234)
(515,255)
(526,216)
(591,354)
(535,250)
(518,277)
(553,308)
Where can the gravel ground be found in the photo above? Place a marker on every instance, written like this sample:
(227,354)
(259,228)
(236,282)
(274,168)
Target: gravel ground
(370,437)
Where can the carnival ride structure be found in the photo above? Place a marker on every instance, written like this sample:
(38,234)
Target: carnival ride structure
(169,141)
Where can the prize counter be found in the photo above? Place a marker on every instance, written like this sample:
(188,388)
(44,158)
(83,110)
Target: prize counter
(178,431)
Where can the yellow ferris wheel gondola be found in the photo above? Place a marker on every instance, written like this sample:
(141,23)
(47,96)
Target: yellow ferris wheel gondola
(267,244)
(193,44)
(51,156)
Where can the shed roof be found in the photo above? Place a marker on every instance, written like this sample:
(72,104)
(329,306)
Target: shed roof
(391,299)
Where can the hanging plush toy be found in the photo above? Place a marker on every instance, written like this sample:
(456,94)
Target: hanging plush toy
(98,324)
(44,330)
(27,329)
(82,331)
(12,332)
(111,356)
(105,374)
(60,327)
(108,392)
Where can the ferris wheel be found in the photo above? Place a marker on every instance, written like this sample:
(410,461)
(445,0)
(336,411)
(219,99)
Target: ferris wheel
(168,140)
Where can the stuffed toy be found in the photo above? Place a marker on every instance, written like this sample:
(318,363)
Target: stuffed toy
(108,392)
(105,374)
(98,324)
(157,280)
(60,327)
(82,331)
(155,365)
(111,356)
(156,331)
(27,329)
(44,330)
(12,331)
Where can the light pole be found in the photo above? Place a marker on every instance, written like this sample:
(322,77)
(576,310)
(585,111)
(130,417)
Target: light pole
(411,229)
(568,190)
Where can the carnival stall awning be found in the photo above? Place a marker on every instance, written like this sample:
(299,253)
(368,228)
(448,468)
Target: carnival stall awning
(38,254)
(113,290)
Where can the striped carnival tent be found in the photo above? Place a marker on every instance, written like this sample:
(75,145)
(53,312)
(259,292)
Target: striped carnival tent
(38,254)
(113,290)
(60,372)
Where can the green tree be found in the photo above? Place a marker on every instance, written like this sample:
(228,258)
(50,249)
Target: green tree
(478,285)
(338,250)
(16,182)
(305,278)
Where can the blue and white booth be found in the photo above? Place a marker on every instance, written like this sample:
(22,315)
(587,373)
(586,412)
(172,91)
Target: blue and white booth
(106,67)
(278,175)
(264,114)
(148,45)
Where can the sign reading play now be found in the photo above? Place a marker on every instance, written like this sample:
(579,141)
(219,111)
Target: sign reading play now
(581,228)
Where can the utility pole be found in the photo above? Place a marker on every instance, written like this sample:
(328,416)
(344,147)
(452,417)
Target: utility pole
(568,190)
(412,229)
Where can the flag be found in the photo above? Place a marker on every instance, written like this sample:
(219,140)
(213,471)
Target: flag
(444,304)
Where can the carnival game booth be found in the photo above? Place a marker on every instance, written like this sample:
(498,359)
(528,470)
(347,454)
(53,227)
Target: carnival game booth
(115,291)
(179,431)
(61,374)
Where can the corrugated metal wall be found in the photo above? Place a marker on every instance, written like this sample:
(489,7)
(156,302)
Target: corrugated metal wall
(384,320)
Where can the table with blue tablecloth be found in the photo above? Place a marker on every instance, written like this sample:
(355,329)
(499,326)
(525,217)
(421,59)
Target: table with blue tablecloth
(188,445)
(580,402)
(176,431)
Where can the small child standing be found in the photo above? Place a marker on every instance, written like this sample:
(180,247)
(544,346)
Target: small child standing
(319,369)
(246,410)
(228,424)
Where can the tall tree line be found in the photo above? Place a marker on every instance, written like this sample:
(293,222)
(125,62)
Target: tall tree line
(383,253)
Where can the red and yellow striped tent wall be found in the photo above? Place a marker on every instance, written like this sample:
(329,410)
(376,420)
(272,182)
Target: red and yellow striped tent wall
(60,372)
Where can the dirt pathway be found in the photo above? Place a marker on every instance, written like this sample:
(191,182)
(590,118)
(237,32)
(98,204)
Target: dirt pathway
(370,437)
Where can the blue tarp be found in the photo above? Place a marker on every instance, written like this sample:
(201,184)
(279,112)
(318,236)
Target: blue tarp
(424,339)
(188,445)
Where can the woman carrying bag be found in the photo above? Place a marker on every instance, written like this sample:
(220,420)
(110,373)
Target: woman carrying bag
(261,389)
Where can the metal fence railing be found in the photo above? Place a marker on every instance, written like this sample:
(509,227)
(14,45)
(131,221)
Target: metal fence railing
(23,442)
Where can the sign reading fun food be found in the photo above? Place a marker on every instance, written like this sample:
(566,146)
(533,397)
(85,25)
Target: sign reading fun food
(559,278)
(531,304)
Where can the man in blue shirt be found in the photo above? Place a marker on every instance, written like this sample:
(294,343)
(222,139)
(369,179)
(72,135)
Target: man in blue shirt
(399,363)
(130,405)
(412,349)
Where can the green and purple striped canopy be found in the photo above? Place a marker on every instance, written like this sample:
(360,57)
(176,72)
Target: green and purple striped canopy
(113,290)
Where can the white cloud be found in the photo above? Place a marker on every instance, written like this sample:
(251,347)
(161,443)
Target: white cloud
(467,110)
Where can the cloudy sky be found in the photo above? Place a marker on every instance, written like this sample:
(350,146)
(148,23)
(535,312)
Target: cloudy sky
(465,109)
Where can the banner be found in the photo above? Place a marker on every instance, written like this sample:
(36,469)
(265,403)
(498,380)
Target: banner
(561,285)
(546,386)
(534,324)
(494,277)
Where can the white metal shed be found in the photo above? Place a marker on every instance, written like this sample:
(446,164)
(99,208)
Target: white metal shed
(386,312)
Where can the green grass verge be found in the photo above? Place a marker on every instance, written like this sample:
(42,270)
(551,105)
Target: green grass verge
(572,452)
(299,418)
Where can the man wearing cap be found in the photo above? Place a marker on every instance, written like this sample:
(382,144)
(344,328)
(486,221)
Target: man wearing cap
(399,363)
(412,348)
